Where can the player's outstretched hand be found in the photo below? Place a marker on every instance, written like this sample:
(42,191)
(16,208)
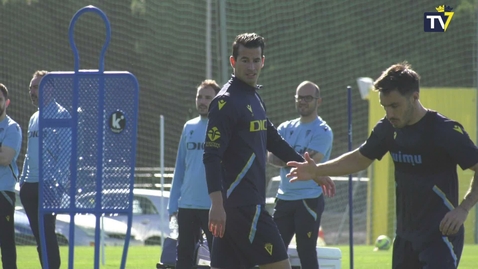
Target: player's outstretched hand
(302,171)
(328,186)
(453,220)
(217,220)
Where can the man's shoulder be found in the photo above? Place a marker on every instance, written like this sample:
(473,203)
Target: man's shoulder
(229,93)
(224,101)
(233,90)
(10,121)
(193,121)
(293,123)
(443,125)
(13,124)
(441,119)
(383,128)
(383,123)
(35,115)
(321,126)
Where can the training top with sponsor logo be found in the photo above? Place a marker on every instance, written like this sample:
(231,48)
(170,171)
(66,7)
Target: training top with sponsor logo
(304,137)
(425,155)
(10,136)
(239,134)
(189,189)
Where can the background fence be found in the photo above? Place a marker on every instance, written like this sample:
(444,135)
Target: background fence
(173,45)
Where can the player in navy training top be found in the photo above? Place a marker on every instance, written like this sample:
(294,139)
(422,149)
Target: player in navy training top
(425,147)
(238,138)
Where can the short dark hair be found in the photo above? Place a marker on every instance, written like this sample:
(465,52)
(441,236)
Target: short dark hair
(400,77)
(210,83)
(4,90)
(248,40)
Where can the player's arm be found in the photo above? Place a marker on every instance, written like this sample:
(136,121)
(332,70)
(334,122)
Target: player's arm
(26,159)
(471,196)
(320,144)
(279,147)
(271,158)
(454,139)
(6,155)
(24,169)
(222,119)
(10,145)
(348,163)
(275,161)
(178,177)
(315,155)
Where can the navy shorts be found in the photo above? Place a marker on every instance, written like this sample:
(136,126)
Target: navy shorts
(251,238)
(442,252)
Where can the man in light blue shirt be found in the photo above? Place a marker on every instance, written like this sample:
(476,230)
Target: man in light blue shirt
(10,145)
(56,160)
(299,207)
(189,199)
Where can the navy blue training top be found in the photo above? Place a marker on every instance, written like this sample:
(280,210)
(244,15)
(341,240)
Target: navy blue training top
(239,134)
(425,155)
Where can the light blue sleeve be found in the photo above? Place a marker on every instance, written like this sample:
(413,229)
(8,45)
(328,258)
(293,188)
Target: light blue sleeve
(281,129)
(13,139)
(22,176)
(178,177)
(322,142)
(25,160)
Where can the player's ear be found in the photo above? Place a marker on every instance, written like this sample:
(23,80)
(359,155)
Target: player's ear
(7,103)
(263,60)
(232,61)
(319,101)
(416,96)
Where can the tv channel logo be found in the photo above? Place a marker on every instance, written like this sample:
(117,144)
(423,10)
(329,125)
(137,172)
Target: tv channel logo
(439,21)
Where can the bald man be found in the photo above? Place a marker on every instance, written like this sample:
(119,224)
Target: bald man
(299,207)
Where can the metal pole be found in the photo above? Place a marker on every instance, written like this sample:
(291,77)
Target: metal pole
(476,112)
(351,220)
(223,30)
(347,209)
(102,241)
(161,163)
(208,40)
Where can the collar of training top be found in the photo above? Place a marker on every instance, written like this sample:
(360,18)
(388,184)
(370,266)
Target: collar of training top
(247,86)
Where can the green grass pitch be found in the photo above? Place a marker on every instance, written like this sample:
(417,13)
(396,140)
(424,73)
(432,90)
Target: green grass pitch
(366,258)
(147,257)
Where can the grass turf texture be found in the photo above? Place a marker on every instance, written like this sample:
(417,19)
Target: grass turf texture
(147,257)
(366,258)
